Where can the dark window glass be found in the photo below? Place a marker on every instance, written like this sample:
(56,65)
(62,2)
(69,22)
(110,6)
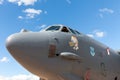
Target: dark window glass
(53,28)
(77,32)
(72,31)
(64,29)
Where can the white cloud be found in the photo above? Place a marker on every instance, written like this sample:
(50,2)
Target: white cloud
(99,34)
(12,1)
(23,2)
(1,1)
(20,77)
(106,10)
(20,17)
(90,35)
(68,1)
(31,13)
(4,59)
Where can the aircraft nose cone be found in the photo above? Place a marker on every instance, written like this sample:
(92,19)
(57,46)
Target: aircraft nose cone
(27,44)
(11,42)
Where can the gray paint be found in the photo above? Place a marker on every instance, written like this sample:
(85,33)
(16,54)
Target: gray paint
(31,50)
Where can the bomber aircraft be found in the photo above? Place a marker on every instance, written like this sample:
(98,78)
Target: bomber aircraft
(61,53)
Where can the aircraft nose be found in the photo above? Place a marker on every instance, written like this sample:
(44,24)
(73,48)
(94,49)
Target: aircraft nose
(29,48)
(10,42)
(27,44)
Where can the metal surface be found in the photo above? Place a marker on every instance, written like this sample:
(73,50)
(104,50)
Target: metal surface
(42,54)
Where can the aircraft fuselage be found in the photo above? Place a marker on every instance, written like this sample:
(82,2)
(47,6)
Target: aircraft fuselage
(57,55)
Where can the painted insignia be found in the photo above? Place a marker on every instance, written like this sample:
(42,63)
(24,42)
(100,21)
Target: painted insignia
(92,51)
(74,43)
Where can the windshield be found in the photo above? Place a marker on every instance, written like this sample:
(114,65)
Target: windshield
(77,32)
(64,29)
(72,31)
(53,28)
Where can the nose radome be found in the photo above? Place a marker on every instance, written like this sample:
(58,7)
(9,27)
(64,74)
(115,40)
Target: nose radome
(17,42)
(11,42)
(29,48)
(27,43)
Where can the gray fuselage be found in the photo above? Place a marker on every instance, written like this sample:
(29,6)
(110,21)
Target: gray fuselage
(57,55)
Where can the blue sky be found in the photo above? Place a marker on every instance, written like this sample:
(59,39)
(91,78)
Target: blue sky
(99,19)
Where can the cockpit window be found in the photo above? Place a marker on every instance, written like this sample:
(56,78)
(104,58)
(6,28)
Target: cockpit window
(72,31)
(77,32)
(64,29)
(53,28)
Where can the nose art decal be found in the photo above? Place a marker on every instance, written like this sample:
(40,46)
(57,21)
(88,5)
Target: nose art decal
(74,43)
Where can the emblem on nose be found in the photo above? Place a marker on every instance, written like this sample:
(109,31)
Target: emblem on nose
(92,51)
(74,42)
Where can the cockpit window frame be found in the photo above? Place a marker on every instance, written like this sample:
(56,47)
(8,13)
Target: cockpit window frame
(74,32)
(77,32)
(69,30)
(48,29)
